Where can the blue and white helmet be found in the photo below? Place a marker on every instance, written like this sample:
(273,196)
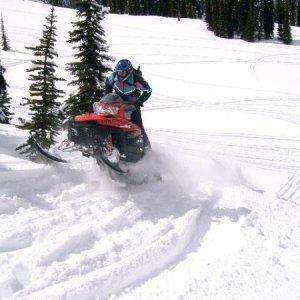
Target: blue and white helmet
(123,65)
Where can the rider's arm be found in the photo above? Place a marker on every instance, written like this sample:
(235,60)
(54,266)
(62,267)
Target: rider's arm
(109,83)
(145,89)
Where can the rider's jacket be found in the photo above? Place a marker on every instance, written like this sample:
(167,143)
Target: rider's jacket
(132,88)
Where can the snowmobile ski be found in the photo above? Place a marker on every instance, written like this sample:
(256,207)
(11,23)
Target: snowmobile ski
(52,157)
(45,153)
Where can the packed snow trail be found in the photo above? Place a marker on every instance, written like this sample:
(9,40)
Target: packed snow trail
(223,222)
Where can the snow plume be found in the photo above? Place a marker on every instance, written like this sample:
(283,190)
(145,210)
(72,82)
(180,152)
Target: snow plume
(98,236)
(75,233)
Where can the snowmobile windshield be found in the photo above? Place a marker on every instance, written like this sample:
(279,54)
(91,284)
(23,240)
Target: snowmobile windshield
(111,98)
(108,105)
(106,109)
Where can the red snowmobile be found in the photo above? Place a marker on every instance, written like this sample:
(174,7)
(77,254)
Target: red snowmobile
(107,134)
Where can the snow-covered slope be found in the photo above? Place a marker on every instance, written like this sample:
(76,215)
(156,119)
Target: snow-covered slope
(224,120)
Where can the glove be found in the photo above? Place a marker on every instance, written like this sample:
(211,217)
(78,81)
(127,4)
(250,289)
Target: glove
(139,103)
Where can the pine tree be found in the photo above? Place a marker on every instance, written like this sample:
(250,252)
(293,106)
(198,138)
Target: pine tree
(57,2)
(259,19)
(249,33)
(298,13)
(120,6)
(268,13)
(178,10)
(232,18)
(4,39)
(293,11)
(280,18)
(132,7)
(112,5)
(243,11)
(171,9)
(5,114)
(89,70)
(163,8)
(222,19)
(286,29)
(216,17)
(199,6)
(43,102)
(208,14)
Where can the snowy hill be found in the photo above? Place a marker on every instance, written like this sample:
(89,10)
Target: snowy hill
(224,121)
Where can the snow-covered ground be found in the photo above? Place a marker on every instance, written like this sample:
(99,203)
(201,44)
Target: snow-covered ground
(224,121)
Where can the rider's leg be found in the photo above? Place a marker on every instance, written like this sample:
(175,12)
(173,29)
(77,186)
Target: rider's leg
(136,118)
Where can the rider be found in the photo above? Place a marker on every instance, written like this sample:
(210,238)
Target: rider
(129,84)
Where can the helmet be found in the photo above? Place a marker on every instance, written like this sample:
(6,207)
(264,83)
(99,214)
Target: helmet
(123,65)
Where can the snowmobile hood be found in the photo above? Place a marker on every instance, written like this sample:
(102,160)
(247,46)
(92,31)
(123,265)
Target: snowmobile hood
(115,122)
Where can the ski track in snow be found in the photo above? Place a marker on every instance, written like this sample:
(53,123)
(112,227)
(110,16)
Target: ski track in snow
(225,146)
(214,228)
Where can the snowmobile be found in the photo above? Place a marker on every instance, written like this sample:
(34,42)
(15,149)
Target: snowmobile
(107,135)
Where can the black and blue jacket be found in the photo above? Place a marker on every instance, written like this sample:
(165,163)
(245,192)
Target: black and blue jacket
(132,88)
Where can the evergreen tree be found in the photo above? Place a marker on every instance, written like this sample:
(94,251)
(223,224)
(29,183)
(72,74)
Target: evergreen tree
(171,9)
(112,5)
(259,19)
(216,17)
(208,14)
(57,2)
(166,8)
(298,13)
(183,8)
(286,29)
(5,114)
(163,7)
(43,102)
(89,70)
(268,12)
(250,20)
(293,11)
(280,17)
(132,7)
(232,18)
(249,31)
(243,12)
(178,10)
(222,18)
(4,39)
(198,7)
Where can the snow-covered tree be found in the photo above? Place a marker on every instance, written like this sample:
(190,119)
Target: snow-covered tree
(90,69)
(43,101)
(5,114)
(4,39)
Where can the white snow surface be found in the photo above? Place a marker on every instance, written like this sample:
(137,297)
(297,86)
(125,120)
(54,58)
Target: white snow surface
(224,121)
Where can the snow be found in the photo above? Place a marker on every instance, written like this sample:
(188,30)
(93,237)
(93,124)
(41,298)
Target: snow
(224,222)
